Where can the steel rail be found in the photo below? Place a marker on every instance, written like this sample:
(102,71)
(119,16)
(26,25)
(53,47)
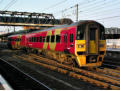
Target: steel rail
(52,77)
(34,79)
(108,72)
(114,66)
(94,75)
(90,80)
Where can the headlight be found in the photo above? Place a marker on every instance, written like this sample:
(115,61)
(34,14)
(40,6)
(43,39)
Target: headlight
(80,46)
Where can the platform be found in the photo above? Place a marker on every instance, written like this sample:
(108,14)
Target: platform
(3,84)
(113,49)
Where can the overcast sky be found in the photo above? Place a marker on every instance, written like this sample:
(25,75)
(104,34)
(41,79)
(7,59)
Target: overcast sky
(106,12)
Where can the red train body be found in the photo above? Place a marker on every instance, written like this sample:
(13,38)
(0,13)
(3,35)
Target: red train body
(81,43)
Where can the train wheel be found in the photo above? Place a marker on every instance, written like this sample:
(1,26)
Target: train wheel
(70,61)
(61,58)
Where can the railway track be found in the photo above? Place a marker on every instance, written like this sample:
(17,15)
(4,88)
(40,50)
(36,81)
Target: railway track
(110,66)
(110,62)
(112,59)
(113,63)
(19,79)
(99,77)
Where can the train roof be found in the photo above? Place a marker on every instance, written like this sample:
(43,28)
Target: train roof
(66,25)
(61,26)
(14,35)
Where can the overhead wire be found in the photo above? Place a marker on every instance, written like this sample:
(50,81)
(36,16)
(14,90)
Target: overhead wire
(97,7)
(97,13)
(108,17)
(73,7)
(95,2)
(70,8)
(52,6)
(92,3)
(10,4)
(102,4)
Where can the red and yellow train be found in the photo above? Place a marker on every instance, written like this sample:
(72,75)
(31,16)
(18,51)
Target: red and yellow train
(81,43)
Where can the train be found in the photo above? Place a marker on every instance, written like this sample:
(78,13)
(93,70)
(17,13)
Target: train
(79,44)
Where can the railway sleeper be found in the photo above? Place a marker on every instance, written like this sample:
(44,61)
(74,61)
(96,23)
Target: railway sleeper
(62,71)
(92,81)
(96,76)
(108,72)
(112,70)
(98,83)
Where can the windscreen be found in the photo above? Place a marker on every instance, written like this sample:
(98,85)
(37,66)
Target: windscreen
(81,32)
(102,32)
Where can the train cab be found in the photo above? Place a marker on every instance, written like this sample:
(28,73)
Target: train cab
(90,43)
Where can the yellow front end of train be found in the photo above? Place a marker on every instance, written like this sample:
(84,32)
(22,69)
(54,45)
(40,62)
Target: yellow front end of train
(90,45)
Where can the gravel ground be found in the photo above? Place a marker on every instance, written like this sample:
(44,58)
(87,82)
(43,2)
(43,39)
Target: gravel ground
(53,79)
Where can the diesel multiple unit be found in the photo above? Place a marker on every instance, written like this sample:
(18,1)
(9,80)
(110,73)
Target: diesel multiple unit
(78,44)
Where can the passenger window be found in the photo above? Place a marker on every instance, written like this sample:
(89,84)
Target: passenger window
(32,39)
(37,39)
(40,39)
(48,38)
(52,38)
(58,38)
(29,39)
(43,39)
(71,37)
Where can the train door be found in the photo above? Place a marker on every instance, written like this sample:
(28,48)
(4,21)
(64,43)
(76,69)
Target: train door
(65,41)
(71,42)
(18,42)
(93,39)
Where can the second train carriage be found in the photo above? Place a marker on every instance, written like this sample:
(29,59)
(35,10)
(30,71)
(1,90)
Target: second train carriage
(81,43)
